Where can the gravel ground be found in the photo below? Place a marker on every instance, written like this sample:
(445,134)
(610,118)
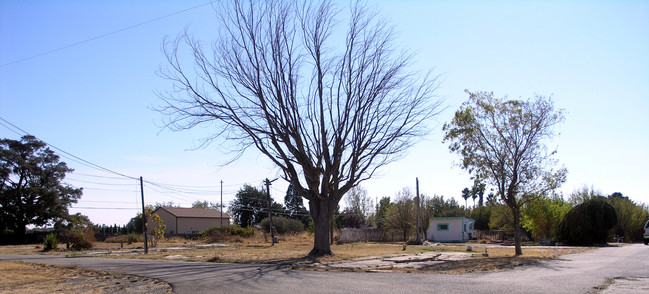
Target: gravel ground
(17,277)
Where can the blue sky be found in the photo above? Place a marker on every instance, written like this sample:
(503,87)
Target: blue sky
(94,99)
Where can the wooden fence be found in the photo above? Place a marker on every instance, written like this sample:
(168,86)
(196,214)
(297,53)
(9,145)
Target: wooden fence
(368,235)
(499,235)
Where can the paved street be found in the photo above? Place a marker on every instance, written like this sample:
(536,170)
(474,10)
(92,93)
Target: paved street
(576,273)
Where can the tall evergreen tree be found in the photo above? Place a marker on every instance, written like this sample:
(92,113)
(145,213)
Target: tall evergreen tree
(293,203)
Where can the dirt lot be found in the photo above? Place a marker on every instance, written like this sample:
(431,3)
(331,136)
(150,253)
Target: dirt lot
(18,277)
(291,252)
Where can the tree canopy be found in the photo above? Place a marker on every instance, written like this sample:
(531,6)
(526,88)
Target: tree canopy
(32,191)
(250,206)
(588,223)
(327,107)
(359,203)
(205,204)
(504,142)
(401,215)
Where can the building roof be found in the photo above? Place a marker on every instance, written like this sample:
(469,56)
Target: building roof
(451,217)
(194,212)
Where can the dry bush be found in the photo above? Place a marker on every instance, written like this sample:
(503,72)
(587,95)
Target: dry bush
(82,238)
(176,240)
(222,237)
(129,239)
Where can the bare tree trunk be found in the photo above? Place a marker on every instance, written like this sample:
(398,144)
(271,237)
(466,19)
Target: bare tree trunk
(20,233)
(517,230)
(321,214)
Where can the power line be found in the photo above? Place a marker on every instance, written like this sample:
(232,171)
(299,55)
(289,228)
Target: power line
(87,163)
(103,35)
(98,183)
(175,191)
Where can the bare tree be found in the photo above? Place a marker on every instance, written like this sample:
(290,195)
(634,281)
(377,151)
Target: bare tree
(328,108)
(503,142)
(358,202)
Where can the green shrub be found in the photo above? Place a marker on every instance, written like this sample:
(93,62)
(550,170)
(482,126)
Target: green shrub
(230,230)
(588,223)
(283,225)
(50,242)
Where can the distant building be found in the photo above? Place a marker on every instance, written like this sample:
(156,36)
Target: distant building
(189,220)
(451,229)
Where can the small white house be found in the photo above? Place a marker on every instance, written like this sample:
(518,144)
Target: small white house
(451,229)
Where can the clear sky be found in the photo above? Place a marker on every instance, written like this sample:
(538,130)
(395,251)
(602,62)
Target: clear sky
(92,91)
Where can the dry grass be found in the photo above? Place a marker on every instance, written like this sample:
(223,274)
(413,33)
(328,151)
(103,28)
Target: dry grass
(18,277)
(291,251)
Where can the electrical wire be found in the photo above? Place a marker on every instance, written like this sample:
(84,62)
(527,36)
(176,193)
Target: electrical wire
(78,159)
(102,35)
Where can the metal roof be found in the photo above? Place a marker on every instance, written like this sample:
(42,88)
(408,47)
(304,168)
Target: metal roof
(194,212)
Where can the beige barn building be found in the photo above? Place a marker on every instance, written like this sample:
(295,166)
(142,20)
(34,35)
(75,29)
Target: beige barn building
(189,220)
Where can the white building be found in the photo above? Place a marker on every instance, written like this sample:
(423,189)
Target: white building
(451,229)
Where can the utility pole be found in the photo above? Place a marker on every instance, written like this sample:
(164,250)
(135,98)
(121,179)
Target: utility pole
(146,244)
(221,202)
(270,216)
(417,184)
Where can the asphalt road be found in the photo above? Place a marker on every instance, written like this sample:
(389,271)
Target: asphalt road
(574,273)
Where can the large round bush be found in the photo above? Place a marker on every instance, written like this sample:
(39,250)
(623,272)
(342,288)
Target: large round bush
(588,223)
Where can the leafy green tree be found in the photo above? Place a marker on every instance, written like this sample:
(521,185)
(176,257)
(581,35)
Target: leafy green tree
(157,229)
(446,208)
(583,195)
(481,215)
(588,223)
(166,204)
(500,218)
(250,206)
(206,204)
(401,215)
(327,113)
(283,225)
(427,212)
(348,220)
(381,211)
(32,191)
(79,231)
(135,224)
(503,142)
(630,217)
(543,216)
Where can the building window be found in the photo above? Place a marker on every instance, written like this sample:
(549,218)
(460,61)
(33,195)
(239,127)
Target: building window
(465,227)
(442,227)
